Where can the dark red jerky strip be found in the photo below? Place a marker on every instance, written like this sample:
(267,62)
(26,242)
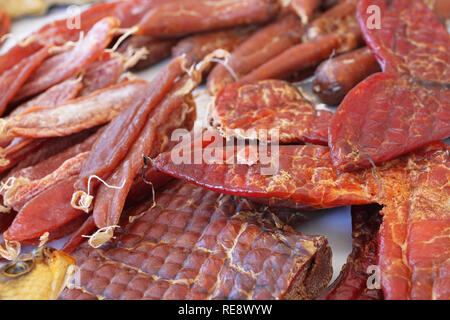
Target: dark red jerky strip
(304,8)
(305,175)
(21,154)
(24,190)
(140,191)
(17,54)
(411,40)
(157,49)
(184,17)
(302,56)
(130,12)
(54,96)
(198,46)
(50,164)
(11,80)
(56,68)
(339,19)
(98,108)
(121,133)
(35,218)
(48,148)
(195,244)
(102,73)
(59,233)
(60,31)
(264,45)
(351,283)
(269,105)
(169,115)
(334,78)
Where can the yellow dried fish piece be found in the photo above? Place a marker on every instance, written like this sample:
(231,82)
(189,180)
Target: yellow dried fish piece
(40,275)
(16,9)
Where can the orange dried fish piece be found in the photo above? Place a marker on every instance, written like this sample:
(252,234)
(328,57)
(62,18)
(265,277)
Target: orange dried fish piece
(76,115)
(179,18)
(11,80)
(56,68)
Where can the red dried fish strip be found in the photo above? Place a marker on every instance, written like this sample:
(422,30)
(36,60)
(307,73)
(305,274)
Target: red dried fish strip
(407,106)
(110,202)
(22,189)
(195,48)
(56,95)
(56,68)
(86,112)
(264,45)
(184,17)
(11,80)
(302,56)
(35,219)
(334,78)
(266,105)
(157,49)
(120,134)
(45,165)
(102,73)
(200,247)
(351,283)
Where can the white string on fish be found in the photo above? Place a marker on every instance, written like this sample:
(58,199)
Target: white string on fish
(101,236)
(82,200)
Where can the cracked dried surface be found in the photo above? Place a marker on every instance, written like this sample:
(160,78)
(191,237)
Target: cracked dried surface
(415,234)
(267,105)
(306,175)
(408,105)
(197,244)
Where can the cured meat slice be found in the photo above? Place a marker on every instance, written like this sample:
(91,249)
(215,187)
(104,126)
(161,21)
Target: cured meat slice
(352,281)
(195,244)
(407,106)
(270,105)
(264,45)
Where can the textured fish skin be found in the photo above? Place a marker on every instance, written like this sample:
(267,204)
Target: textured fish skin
(198,244)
